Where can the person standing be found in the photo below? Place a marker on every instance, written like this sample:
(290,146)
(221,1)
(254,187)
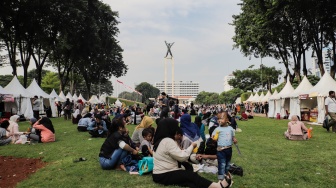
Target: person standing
(266,108)
(67,109)
(165,101)
(36,107)
(330,109)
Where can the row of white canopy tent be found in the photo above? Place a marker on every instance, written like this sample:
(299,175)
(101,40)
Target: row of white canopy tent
(256,98)
(289,99)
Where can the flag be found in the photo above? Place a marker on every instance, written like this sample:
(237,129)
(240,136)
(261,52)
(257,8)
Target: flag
(120,82)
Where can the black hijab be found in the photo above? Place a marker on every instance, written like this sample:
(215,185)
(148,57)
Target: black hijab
(47,123)
(167,128)
(198,121)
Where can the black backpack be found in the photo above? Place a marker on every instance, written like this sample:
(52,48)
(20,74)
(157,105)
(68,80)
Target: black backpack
(236,170)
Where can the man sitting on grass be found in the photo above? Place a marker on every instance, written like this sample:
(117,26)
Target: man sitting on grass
(98,128)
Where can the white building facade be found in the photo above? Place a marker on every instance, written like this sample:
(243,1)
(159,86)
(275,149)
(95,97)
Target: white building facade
(227,86)
(181,88)
(327,63)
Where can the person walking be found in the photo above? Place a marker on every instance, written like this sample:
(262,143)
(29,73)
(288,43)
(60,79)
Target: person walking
(36,107)
(330,109)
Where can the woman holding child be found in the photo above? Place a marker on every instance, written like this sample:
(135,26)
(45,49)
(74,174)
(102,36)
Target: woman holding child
(166,156)
(137,137)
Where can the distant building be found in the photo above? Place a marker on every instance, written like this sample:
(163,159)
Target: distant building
(181,88)
(327,63)
(227,86)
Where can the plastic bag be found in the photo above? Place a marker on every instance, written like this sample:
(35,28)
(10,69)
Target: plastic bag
(146,165)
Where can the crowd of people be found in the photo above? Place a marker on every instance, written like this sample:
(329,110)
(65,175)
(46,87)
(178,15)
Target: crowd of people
(177,145)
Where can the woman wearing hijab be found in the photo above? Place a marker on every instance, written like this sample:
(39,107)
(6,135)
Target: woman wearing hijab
(137,134)
(13,129)
(200,125)
(190,130)
(296,130)
(47,131)
(166,156)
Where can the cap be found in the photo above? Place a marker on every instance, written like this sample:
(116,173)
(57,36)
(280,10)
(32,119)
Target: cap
(33,120)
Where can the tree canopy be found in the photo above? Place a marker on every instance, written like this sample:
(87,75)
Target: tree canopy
(148,91)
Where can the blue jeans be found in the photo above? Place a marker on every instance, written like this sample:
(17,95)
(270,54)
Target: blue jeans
(223,158)
(117,156)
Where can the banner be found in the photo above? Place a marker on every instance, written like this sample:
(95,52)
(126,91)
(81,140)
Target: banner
(6,98)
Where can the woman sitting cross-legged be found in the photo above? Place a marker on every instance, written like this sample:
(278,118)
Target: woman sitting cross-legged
(114,148)
(166,156)
(296,130)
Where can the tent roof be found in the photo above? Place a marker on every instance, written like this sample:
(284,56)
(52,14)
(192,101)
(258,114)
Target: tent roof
(62,96)
(322,88)
(118,103)
(238,100)
(15,88)
(249,99)
(53,94)
(303,87)
(3,91)
(69,96)
(94,99)
(36,89)
(75,97)
(274,94)
(285,92)
(81,97)
(267,96)
(260,97)
(255,98)
(102,98)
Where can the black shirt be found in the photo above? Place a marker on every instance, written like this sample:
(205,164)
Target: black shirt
(110,144)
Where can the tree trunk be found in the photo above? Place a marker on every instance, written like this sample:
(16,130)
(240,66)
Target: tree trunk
(304,65)
(333,68)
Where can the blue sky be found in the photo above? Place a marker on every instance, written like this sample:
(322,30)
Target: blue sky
(203,49)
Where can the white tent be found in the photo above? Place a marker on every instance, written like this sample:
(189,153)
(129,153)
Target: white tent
(35,88)
(75,97)
(54,95)
(118,103)
(69,96)
(47,99)
(15,88)
(295,102)
(102,98)
(62,96)
(267,96)
(249,99)
(321,90)
(81,97)
(94,100)
(255,98)
(282,99)
(3,91)
(22,104)
(260,97)
(238,100)
(272,105)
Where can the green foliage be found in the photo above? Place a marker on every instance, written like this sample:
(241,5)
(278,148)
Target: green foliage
(147,91)
(268,159)
(229,97)
(49,82)
(245,96)
(207,98)
(246,80)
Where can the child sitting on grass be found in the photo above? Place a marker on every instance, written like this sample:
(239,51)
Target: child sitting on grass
(145,146)
(225,135)
(4,139)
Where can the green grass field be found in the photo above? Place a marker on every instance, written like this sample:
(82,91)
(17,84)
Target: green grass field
(267,158)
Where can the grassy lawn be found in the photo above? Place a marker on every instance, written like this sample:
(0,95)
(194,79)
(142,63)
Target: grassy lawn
(267,158)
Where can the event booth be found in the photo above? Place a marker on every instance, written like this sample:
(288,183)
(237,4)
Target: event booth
(301,104)
(22,99)
(272,105)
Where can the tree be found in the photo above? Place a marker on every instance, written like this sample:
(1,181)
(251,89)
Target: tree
(269,76)
(246,80)
(207,98)
(229,97)
(147,91)
(49,82)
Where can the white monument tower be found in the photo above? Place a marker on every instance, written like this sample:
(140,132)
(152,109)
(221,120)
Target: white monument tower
(169,56)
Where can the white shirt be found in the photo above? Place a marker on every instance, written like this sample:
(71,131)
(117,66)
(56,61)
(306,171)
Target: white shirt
(331,103)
